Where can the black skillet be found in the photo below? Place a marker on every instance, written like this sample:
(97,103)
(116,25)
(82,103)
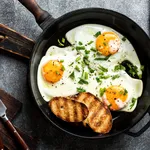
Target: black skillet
(54,29)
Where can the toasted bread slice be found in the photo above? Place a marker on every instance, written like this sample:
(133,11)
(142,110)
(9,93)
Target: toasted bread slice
(99,118)
(68,110)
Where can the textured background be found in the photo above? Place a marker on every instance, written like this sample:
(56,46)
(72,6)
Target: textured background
(13,73)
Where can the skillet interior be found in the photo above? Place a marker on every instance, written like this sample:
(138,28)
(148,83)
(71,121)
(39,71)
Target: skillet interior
(58,28)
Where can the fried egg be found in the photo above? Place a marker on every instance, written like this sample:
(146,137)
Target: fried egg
(92,64)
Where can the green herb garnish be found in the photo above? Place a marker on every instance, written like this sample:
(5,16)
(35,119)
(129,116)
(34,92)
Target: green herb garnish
(61,61)
(142,68)
(80,48)
(77,68)
(125,92)
(102,91)
(72,76)
(82,81)
(85,60)
(71,64)
(87,52)
(98,80)
(124,39)
(89,43)
(63,68)
(109,105)
(102,58)
(57,72)
(103,69)
(119,67)
(115,77)
(78,58)
(133,102)
(91,70)
(60,44)
(97,34)
(104,77)
(133,70)
(93,49)
(63,40)
(86,76)
(80,43)
(80,90)
(104,43)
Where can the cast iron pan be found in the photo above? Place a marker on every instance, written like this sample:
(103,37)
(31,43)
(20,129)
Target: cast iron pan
(54,29)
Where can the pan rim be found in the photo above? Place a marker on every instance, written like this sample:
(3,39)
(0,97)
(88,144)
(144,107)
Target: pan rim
(96,9)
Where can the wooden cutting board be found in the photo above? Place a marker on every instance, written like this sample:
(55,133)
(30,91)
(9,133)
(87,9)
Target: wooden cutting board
(14,44)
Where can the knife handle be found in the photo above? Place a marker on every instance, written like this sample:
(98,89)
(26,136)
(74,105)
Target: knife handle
(1,144)
(14,132)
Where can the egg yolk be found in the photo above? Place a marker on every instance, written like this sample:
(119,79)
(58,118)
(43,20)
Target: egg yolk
(108,43)
(53,71)
(116,97)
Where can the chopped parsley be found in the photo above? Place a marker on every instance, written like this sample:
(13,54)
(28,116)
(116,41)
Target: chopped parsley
(115,77)
(104,77)
(72,76)
(85,60)
(119,67)
(124,39)
(71,64)
(93,49)
(78,58)
(86,76)
(80,48)
(87,52)
(89,43)
(60,43)
(97,34)
(98,80)
(57,72)
(125,92)
(103,69)
(109,105)
(102,91)
(133,70)
(82,81)
(102,58)
(77,68)
(63,68)
(142,68)
(61,61)
(63,40)
(133,102)
(104,43)
(80,43)
(80,90)
(91,70)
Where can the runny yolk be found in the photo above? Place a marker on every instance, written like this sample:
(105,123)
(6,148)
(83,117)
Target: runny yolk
(108,43)
(116,97)
(53,71)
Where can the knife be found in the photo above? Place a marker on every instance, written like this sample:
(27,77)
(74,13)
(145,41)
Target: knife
(11,127)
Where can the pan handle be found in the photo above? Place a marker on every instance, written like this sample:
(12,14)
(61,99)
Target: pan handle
(42,17)
(141,131)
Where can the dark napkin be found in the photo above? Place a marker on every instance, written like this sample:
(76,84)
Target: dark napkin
(13,108)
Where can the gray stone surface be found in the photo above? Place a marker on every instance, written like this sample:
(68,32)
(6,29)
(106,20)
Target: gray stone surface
(13,73)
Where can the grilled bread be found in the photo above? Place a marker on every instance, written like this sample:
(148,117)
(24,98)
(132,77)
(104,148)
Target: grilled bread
(68,110)
(99,118)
